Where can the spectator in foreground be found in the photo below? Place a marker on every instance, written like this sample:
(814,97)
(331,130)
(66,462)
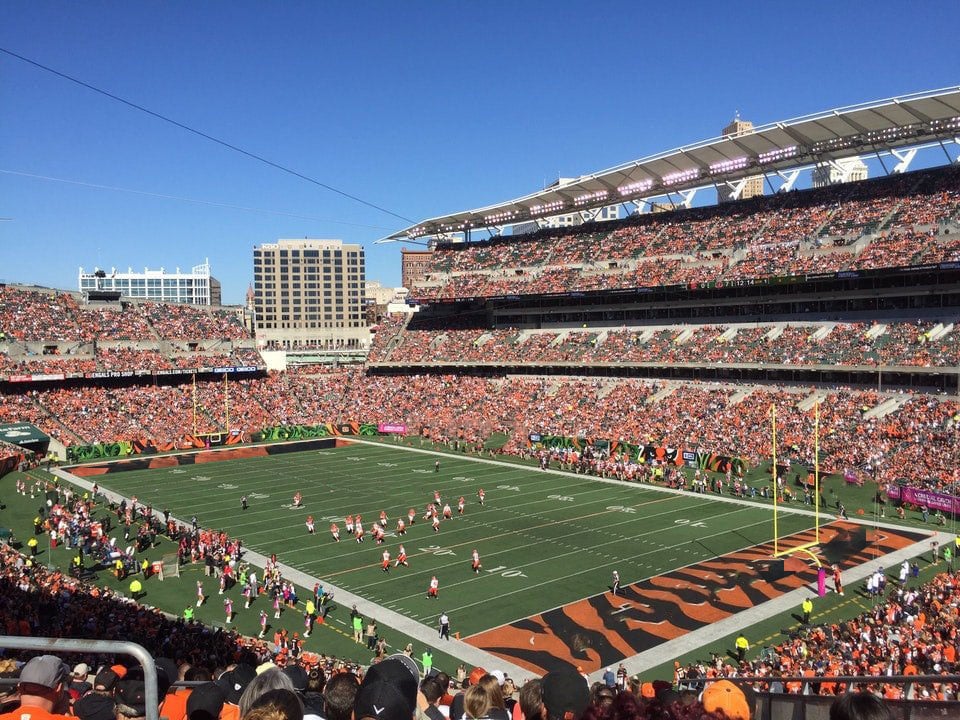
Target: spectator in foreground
(388,690)
(860,706)
(41,689)
(565,694)
(99,703)
(723,696)
(278,704)
(339,694)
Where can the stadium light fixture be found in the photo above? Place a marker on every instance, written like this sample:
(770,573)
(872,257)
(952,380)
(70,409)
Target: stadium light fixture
(546,208)
(726,166)
(776,155)
(680,176)
(635,187)
(590,198)
(952,124)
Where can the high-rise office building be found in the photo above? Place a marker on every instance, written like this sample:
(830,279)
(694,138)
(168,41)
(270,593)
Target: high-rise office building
(309,294)
(753,185)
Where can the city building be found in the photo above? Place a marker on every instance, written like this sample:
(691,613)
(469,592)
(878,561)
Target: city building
(752,186)
(835,172)
(197,287)
(309,294)
(413,266)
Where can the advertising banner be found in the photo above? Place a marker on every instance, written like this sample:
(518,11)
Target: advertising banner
(392,428)
(925,498)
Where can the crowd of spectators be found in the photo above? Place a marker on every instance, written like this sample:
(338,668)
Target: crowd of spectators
(915,441)
(38,315)
(891,344)
(912,631)
(898,219)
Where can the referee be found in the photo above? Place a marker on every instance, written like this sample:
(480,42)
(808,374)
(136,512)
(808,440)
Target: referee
(444,626)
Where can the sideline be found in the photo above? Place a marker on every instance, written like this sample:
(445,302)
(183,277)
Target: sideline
(417,631)
(635,664)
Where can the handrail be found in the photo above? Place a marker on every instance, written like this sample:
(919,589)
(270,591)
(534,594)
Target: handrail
(113,647)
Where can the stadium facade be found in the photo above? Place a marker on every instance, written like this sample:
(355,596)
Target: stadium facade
(197,287)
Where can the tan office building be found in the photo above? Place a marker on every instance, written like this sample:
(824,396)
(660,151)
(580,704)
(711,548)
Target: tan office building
(753,185)
(309,294)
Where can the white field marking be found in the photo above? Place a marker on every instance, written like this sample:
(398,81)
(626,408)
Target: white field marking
(492,510)
(564,473)
(575,551)
(623,584)
(498,530)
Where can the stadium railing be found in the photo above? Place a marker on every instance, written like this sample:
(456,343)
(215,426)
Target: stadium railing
(806,705)
(57,646)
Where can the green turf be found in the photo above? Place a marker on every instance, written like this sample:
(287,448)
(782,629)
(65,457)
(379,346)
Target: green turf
(545,540)
(538,531)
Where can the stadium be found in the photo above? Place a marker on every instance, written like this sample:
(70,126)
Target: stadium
(620,445)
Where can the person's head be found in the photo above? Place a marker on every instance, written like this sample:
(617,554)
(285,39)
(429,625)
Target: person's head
(565,694)
(491,684)
(444,680)
(41,682)
(729,699)
(432,690)
(131,698)
(270,679)
(316,680)
(298,676)
(338,696)
(278,704)
(388,690)
(860,706)
(105,682)
(476,701)
(205,702)
(602,696)
(531,699)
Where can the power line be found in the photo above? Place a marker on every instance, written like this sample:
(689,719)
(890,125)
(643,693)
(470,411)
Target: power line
(200,133)
(164,196)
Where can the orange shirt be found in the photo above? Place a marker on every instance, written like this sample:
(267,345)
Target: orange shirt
(32,712)
(174,706)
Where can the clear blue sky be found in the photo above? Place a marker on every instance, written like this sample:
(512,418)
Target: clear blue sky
(419,107)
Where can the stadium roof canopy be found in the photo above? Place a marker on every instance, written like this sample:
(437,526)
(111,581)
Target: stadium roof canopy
(775,150)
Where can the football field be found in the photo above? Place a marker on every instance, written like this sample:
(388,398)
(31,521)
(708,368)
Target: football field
(546,540)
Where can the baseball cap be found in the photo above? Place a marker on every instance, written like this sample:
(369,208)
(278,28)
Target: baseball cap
(133,695)
(105,681)
(476,674)
(498,674)
(388,690)
(297,675)
(45,670)
(81,671)
(93,706)
(565,694)
(205,702)
(724,696)
(234,682)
